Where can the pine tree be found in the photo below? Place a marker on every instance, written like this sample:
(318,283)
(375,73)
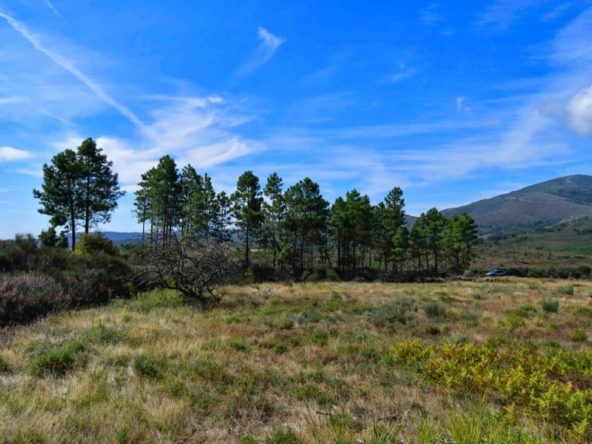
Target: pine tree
(394,218)
(99,185)
(306,223)
(79,189)
(274,212)
(60,194)
(435,223)
(165,196)
(247,203)
(222,218)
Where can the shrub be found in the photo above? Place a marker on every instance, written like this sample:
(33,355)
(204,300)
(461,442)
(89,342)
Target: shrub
(566,290)
(102,335)
(550,305)
(534,380)
(579,336)
(92,243)
(389,315)
(435,311)
(434,330)
(4,367)
(148,366)
(319,337)
(41,280)
(59,360)
(24,297)
(190,265)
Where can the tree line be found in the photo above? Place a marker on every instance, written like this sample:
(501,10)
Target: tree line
(297,227)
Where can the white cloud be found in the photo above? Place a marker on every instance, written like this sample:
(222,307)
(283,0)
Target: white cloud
(33,172)
(579,111)
(269,44)
(461,106)
(196,130)
(9,154)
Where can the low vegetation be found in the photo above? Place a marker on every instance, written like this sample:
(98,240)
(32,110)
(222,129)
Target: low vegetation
(461,362)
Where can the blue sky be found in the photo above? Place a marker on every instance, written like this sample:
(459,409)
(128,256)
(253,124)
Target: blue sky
(452,101)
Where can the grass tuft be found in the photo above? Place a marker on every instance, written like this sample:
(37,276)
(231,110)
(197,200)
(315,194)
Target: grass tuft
(148,366)
(550,305)
(435,311)
(59,360)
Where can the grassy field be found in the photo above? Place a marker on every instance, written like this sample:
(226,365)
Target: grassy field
(505,361)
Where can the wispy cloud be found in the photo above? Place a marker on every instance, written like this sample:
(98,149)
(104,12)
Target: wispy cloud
(319,109)
(501,13)
(268,46)
(461,105)
(429,15)
(404,73)
(556,12)
(33,172)
(69,66)
(197,130)
(52,7)
(12,100)
(9,154)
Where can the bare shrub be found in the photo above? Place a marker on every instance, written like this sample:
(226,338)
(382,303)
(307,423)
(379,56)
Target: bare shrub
(191,265)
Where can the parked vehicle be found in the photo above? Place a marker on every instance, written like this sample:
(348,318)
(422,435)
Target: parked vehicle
(497,272)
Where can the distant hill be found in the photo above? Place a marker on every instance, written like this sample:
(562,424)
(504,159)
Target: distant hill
(543,204)
(118,238)
(410,220)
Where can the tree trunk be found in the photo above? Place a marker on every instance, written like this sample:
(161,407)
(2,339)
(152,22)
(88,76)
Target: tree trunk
(73,225)
(247,249)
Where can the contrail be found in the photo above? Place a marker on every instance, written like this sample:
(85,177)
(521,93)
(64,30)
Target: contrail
(50,6)
(67,65)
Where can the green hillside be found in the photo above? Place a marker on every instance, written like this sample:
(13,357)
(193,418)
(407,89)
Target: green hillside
(544,204)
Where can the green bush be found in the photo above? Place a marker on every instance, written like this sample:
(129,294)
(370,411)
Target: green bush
(568,290)
(550,305)
(579,336)
(4,367)
(93,243)
(102,335)
(59,360)
(389,315)
(319,337)
(148,366)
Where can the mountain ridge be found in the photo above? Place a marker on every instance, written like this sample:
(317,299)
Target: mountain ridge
(549,202)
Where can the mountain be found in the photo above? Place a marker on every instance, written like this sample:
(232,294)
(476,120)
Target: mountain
(546,203)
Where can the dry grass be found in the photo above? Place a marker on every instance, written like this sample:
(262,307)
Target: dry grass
(277,364)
